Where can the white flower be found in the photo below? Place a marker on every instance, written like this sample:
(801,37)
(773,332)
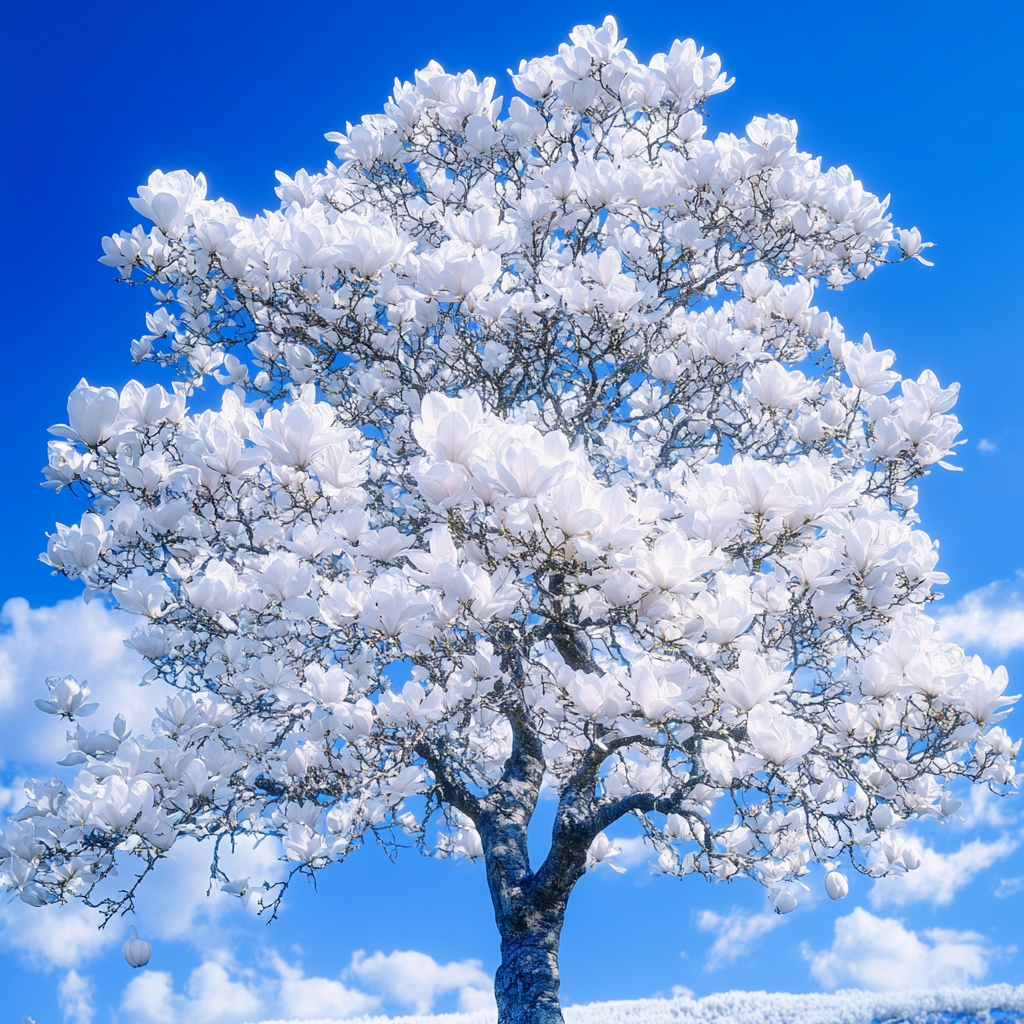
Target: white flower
(778,737)
(91,414)
(298,432)
(449,429)
(218,590)
(144,594)
(168,198)
(601,851)
(752,683)
(302,844)
(67,698)
(911,245)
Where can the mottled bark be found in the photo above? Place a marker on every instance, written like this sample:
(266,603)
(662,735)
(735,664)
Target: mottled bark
(526,983)
(529,916)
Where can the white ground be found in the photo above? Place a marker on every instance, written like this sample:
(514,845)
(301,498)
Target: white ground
(844,1007)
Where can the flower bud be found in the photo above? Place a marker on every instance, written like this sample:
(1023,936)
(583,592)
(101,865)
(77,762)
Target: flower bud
(836,885)
(137,951)
(784,902)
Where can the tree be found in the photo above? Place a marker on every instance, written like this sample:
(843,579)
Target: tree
(533,466)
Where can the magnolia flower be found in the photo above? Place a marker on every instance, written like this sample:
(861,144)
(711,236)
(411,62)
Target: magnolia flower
(601,850)
(468,843)
(218,590)
(675,565)
(658,698)
(386,544)
(393,606)
(463,272)
(911,245)
(78,548)
(119,806)
(869,370)
(445,485)
(783,901)
(167,198)
(752,684)
(329,687)
(983,698)
(776,389)
(449,429)
(67,698)
(524,472)
(298,432)
(145,407)
(572,508)
(239,887)
(408,781)
(600,697)
(144,595)
(302,844)
(92,413)
(778,737)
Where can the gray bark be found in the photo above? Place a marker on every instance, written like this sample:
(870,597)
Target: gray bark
(526,983)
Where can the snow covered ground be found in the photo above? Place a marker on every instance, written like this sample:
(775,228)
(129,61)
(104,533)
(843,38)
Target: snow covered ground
(994,1004)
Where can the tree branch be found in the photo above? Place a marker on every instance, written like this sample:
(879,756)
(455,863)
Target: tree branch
(453,790)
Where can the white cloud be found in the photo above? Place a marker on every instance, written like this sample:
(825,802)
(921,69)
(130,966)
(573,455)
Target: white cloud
(12,797)
(212,997)
(879,953)
(1009,886)
(74,995)
(736,934)
(54,936)
(69,638)
(416,980)
(303,998)
(940,875)
(218,991)
(983,807)
(990,618)
(635,851)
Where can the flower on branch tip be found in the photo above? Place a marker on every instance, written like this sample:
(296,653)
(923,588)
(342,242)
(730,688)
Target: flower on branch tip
(67,698)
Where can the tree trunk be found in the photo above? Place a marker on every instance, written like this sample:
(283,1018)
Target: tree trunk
(526,983)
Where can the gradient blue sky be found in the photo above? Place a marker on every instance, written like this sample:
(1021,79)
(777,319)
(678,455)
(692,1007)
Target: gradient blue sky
(923,100)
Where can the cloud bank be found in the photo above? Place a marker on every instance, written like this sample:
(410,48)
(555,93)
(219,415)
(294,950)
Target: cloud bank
(218,991)
(990,619)
(881,954)
(735,934)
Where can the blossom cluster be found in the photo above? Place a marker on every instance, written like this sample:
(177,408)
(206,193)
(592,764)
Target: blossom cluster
(527,427)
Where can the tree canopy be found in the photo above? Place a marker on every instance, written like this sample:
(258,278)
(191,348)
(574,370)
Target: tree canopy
(520,460)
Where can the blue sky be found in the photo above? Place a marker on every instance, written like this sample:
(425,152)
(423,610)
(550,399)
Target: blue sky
(922,100)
